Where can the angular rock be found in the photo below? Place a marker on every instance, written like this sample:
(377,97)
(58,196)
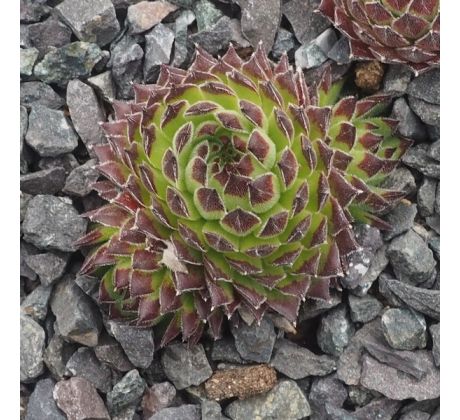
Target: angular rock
(157,397)
(411,258)
(436,336)
(185,365)
(48,266)
(57,355)
(90,20)
(216,37)
(80,180)
(364,309)
(409,124)
(182,51)
(426,197)
(284,401)
(428,113)
(326,391)
(404,329)
(24,202)
(211,410)
(340,52)
(32,11)
(255,342)
(24,252)
(66,161)
(312,308)
(41,403)
(224,350)
(23,152)
(401,219)
(52,223)
(207,14)
(145,15)
(434,151)
(309,56)
(260,20)
(71,61)
(335,331)
(359,263)
(382,409)
(40,93)
(158,47)
(77,316)
(284,43)
(186,411)
(127,392)
(47,181)
(415,415)
(298,362)
(35,304)
(359,396)
(400,179)
(79,400)
(28,57)
(32,348)
(111,353)
(417,157)
(103,83)
(426,87)
(49,33)
(397,79)
(137,343)
(50,133)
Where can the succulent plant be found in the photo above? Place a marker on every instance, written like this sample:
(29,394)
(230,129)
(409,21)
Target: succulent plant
(391,31)
(232,185)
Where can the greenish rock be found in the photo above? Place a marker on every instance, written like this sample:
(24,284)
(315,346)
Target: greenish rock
(28,57)
(207,14)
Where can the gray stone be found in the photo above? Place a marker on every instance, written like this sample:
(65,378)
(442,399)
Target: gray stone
(32,11)
(340,52)
(90,20)
(435,245)
(71,61)
(90,285)
(224,350)
(145,15)
(326,40)
(359,263)
(368,236)
(426,196)
(158,47)
(437,203)
(436,335)
(32,348)
(80,180)
(109,352)
(24,202)
(158,396)
(378,264)
(238,38)
(401,218)
(428,113)
(24,41)
(52,223)
(48,181)
(364,309)
(79,400)
(66,161)
(49,266)
(77,316)
(26,250)
(23,152)
(284,43)
(216,37)
(47,34)
(103,84)
(127,392)
(137,343)
(28,57)
(35,304)
(185,365)
(40,93)
(255,342)
(434,151)
(426,87)
(409,124)
(211,410)
(397,79)
(57,355)
(307,24)
(335,331)
(359,396)
(123,4)
(50,133)
(399,386)
(186,411)
(436,415)
(207,14)
(309,55)
(298,362)
(415,415)
(312,308)
(285,401)
(401,179)
(181,45)
(260,20)
(326,391)
(83,363)
(41,403)
(411,258)
(332,412)
(381,409)
(434,223)
(417,157)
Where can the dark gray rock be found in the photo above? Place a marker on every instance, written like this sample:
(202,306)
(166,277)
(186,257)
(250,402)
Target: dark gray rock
(158,396)
(335,331)
(66,161)
(83,363)
(137,343)
(185,365)
(158,47)
(359,396)
(216,38)
(364,309)
(103,84)
(417,157)
(335,413)
(182,51)
(378,263)
(71,61)
(32,348)
(78,398)
(382,409)
(207,14)
(368,236)
(340,52)
(24,202)
(186,411)
(298,362)
(49,132)
(57,355)
(359,263)
(47,181)
(312,308)
(415,415)
(435,245)
(400,179)
(90,20)
(52,223)
(255,342)
(41,403)
(127,392)
(35,304)
(123,4)
(260,20)
(285,401)
(49,266)
(309,56)
(145,15)
(426,87)
(397,79)
(409,124)
(49,33)
(426,196)
(428,113)
(401,218)
(40,93)
(23,152)
(434,151)
(90,285)
(434,223)
(32,11)
(211,410)
(25,251)
(285,42)
(436,336)
(27,58)
(411,258)
(109,352)
(24,41)
(224,350)
(326,391)
(80,180)
(77,316)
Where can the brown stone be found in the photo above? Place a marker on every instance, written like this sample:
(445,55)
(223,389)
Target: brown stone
(369,75)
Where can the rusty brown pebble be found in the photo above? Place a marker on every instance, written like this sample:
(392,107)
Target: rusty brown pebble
(241,382)
(368,75)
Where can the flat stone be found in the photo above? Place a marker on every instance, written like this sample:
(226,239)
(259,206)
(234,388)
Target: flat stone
(285,42)
(24,252)
(400,179)
(382,409)
(409,124)
(428,113)
(206,13)
(185,365)
(83,363)
(216,37)
(397,79)
(298,362)
(335,331)
(224,350)
(260,20)
(41,403)
(186,411)
(436,336)
(284,401)
(399,386)
(80,180)
(426,86)
(77,316)
(66,161)
(401,218)
(255,342)
(57,355)
(309,56)
(24,202)
(340,52)
(71,61)
(79,400)
(426,197)
(364,309)
(411,258)
(32,348)
(103,84)
(417,157)
(27,57)
(49,33)
(136,343)
(127,392)
(145,15)
(157,397)
(90,20)
(327,390)
(50,133)
(182,51)
(48,181)
(40,93)
(109,352)
(32,11)
(312,308)
(52,223)
(158,47)
(211,410)
(48,266)
(35,304)
(377,265)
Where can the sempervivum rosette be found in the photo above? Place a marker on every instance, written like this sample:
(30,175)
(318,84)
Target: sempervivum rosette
(392,31)
(230,186)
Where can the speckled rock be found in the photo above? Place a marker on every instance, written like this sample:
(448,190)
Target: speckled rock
(284,42)
(216,37)
(49,33)
(409,124)
(57,355)
(47,181)
(211,410)
(404,329)
(41,403)
(426,86)
(126,392)
(397,79)
(48,266)
(103,84)
(426,197)
(35,304)
(145,15)
(27,58)
(32,348)
(326,391)
(364,309)
(158,47)
(418,157)
(436,336)
(428,113)
(186,411)
(157,397)
(40,93)
(80,180)
(401,218)
(111,353)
